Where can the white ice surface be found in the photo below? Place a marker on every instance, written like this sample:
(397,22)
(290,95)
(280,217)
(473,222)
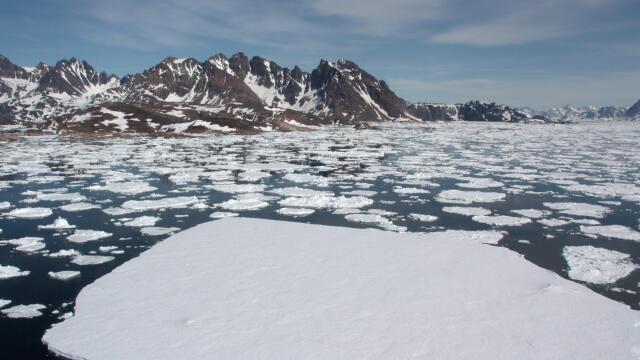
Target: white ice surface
(9,271)
(468,197)
(612,231)
(83,236)
(83,260)
(501,220)
(64,275)
(466,210)
(579,209)
(30,213)
(23,311)
(248,288)
(597,265)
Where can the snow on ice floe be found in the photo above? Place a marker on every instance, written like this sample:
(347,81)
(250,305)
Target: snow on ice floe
(295,212)
(501,220)
(5,205)
(611,231)
(125,188)
(142,221)
(23,311)
(248,204)
(223,214)
(300,192)
(58,224)
(157,231)
(26,244)
(238,188)
(375,219)
(468,211)
(8,272)
(579,209)
(4,302)
(174,202)
(409,191)
(72,197)
(84,260)
(468,197)
(553,222)
(480,183)
(64,275)
(64,253)
(530,213)
(379,300)
(30,213)
(80,206)
(597,265)
(423,217)
(83,236)
(324,202)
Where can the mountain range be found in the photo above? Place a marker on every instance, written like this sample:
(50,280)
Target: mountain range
(221,94)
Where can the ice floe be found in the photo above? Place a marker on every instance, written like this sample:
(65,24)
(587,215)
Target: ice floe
(84,260)
(579,209)
(597,265)
(468,211)
(372,282)
(423,217)
(295,212)
(64,275)
(501,220)
(174,202)
(125,188)
(58,224)
(83,236)
(8,272)
(142,221)
(30,213)
(157,231)
(611,231)
(23,311)
(468,197)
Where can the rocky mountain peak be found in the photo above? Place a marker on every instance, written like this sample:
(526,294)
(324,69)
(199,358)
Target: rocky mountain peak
(75,77)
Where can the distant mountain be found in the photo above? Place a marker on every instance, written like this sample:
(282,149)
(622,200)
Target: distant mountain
(221,94)
(473,111)
(634,111)
(589,113)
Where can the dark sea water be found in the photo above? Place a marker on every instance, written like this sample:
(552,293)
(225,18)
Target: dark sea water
(532,165)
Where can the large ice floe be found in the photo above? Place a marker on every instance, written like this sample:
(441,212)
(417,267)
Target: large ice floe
(597,265)
(249,288)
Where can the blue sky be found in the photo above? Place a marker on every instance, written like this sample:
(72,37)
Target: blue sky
(540,53)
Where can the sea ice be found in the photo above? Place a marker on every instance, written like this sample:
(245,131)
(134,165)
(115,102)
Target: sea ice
(579,209)
(423,217)
(597,265)
(83,260)
(530,213)
(80,206)
(23,311)
(175,202)
(157,231)
(58,224)
(295,212)
(468,197)
(142,221)
(8,272)
(83,236)
(501,220)
(611,231)
(468,211)
(223,214)
(125,188)
(30,213)
(64,275)
(249,204)
(281,286)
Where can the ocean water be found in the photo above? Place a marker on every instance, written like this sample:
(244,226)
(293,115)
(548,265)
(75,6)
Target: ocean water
(579,185)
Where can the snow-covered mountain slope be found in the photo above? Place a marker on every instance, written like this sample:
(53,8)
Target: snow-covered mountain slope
(249,94)
(570,113)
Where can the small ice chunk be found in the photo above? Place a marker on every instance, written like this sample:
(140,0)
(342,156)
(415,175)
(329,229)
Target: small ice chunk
(125,188)
(611,231)
(530,213)
(501,220)
(597,265)
(8,272)
(23,311)
(80,206)
(63,275)
(83,236)
(243,204)
(423,217)
(4,302)
(553,222)
(84,260)
(26,244)
(468,197)
(480,183)
(58,224)
(222,214)
(468,211)
(142,221)
(4,205)
(175,202)
(409,191)
(579,209)
(295,212)
(157,231)
(64,253)
(30,213)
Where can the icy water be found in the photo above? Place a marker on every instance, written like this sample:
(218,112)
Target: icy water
(567,197)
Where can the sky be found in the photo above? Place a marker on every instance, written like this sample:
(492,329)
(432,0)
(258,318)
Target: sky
(537,53)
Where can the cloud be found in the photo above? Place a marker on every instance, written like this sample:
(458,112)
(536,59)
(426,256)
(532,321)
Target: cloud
(324,24)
